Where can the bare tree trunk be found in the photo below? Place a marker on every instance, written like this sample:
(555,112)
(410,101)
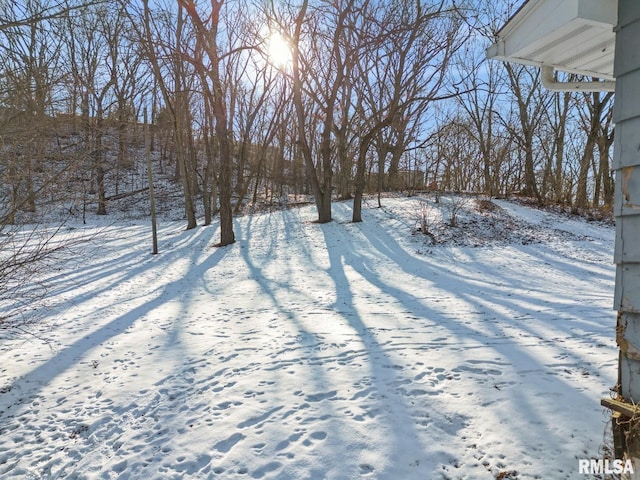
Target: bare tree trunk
(176,106)
(207,35)
(345,163)
(530,109)
(321,189)
(99,166)
(593,126)
(209,175)
(559,140)
(361,167)
(182,129)
(382,158)
(30,194)
(326,91)
(605,170)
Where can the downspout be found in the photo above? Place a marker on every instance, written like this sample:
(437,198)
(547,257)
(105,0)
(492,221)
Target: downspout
(550,83)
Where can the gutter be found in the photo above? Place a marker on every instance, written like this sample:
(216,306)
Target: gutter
(550,83)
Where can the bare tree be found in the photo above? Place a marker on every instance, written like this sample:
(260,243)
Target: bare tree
(318,77)
(408,50)
(483,84)
(595,114)
(30,60)
(131,84)
(256,92)
(554,170)
(207,28)
(90,46)
(604,175)
(168,65)
(26,14)
(459,165)
(31,71)
(530,104)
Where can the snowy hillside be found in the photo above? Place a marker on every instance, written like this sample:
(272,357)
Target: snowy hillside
(307,351)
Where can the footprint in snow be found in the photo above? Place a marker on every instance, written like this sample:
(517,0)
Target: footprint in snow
(285,443)
(365,469)
(318,397)
(317,436)
(224,446)
(265,469)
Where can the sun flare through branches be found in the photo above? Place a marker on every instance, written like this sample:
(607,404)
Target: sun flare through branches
(278,50)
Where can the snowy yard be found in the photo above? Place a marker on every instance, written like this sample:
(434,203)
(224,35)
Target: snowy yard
(307,351)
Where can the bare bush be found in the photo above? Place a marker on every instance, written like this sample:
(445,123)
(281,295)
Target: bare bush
(427,219)
(26,254)
(453,205)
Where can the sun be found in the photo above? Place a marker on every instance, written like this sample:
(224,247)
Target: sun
(278,50)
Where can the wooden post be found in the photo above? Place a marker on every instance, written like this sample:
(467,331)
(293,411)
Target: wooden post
(152,196)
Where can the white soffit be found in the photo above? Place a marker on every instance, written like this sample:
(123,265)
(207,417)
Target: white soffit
(570,35)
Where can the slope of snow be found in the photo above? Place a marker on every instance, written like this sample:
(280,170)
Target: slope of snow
(337,351)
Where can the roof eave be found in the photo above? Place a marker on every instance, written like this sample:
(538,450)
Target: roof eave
(574,36)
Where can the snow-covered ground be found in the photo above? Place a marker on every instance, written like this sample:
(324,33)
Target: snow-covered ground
(308,351)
